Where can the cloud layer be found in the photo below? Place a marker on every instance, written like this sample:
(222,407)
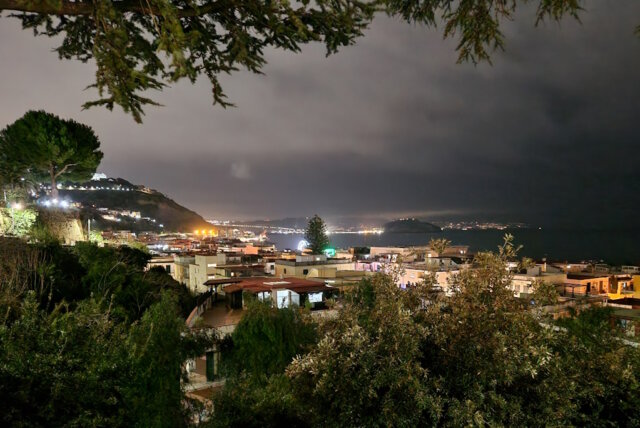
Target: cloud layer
(549,134)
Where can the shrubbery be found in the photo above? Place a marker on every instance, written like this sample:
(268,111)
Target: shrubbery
(415,357)
(87,338)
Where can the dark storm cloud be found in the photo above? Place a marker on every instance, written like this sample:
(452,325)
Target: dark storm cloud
(391,126)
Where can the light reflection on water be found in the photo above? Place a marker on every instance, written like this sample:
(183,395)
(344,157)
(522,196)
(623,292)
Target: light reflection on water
(614,247)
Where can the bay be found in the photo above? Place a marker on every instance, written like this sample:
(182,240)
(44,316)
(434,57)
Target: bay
(616,247)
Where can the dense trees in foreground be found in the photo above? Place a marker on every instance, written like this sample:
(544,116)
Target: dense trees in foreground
(413,357)
(87,338)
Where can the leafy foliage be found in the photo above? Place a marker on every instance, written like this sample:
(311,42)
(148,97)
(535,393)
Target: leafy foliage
(77,346)
(246,403)
(439,245)
(415,357)
(16,222)
(257,393)
(141,46)
(603,375)
(545,293)
(490,358)
(114,276)
(41,147)
(81,368)
(267,338)
(316,235)
(366,370)
(50,271)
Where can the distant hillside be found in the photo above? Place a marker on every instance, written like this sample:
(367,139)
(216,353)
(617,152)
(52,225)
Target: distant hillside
(410,225)
(105,198)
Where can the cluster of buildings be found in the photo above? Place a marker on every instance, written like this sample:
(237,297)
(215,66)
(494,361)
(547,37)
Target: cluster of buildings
(116,215)
(195,261)
(99,181)
(225,272)
(478,225)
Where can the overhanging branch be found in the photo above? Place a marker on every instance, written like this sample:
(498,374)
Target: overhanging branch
(77,8)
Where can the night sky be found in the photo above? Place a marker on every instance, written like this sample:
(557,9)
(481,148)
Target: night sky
(549,134)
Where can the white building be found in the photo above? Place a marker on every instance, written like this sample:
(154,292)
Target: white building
(523,283)
(203,268)
(312,266)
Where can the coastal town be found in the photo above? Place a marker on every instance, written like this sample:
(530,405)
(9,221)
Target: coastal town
(319,214)
(226,266)
(227,270)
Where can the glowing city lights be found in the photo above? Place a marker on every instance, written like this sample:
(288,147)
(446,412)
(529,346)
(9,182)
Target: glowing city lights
(302,245)
(329,252)
(56,203)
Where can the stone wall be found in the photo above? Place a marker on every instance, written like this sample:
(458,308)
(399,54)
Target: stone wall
(64,225)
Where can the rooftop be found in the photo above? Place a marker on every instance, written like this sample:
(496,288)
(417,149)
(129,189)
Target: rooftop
(222,281)
(263,284)
(630,301)
(312,262)
(219,315)
(632,314)
(237,268)
(581,276)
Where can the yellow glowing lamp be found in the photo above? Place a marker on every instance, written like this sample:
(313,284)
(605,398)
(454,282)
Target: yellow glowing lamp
(196,232)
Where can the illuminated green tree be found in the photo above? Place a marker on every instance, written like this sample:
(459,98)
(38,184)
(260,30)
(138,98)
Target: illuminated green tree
(316,235)
(139,46)
(41,147)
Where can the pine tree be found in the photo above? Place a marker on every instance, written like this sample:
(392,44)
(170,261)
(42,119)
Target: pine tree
(42,147)
(316,235)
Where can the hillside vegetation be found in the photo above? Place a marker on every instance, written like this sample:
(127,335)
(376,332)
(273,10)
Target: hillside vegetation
(155,205)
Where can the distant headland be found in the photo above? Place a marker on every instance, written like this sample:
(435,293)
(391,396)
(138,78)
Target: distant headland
(410,225)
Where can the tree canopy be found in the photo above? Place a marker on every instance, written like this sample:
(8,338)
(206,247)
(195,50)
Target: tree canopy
(267,338)
(41,147)
(439,245)
(418,357)
(316,235)
(88,338)
(140,46)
